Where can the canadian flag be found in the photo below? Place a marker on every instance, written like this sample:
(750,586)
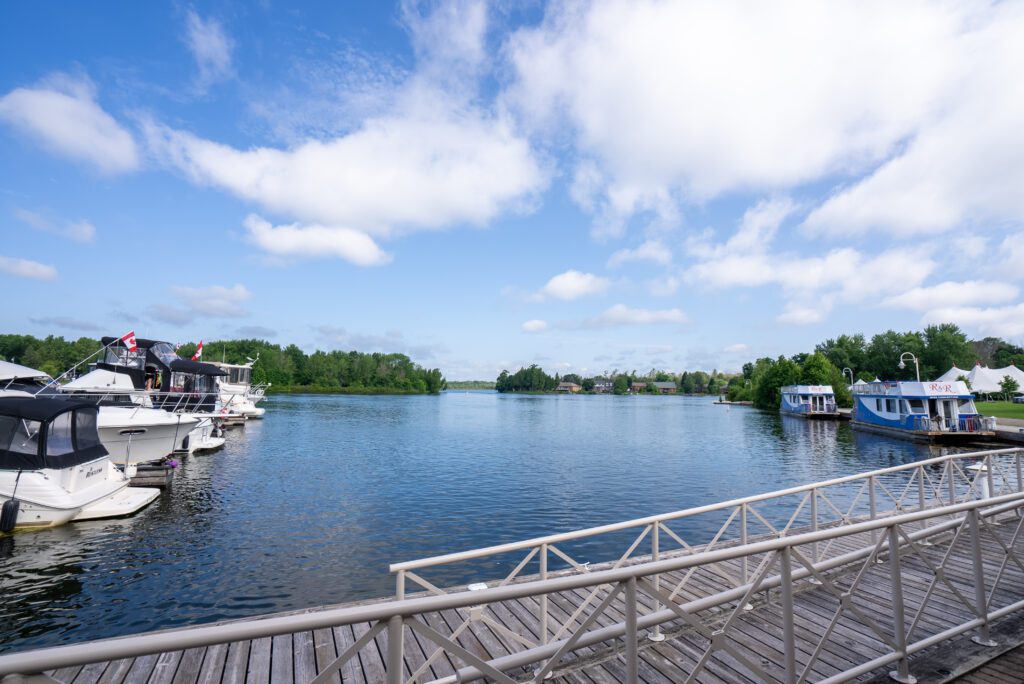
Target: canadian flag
(129,341)
(199,352)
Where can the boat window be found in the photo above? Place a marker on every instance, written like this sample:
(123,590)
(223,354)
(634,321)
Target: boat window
(181,382)
(890,405)
(85,430)
(164,352)
(58,439)
(8,425)
(917,406)
(878,404)
(967,406)
(119,356)
(24,436)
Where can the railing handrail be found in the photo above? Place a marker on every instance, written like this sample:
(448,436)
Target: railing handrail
(559,537)
(35,661)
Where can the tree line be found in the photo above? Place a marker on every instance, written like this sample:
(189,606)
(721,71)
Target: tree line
(290,369)
(937,348)
(534,379)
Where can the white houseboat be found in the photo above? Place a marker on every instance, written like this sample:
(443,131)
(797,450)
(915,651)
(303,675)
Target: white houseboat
(237,393)
(921,411)
(809,401)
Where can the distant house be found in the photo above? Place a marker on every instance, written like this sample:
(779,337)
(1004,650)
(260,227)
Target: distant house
(603,386)
(665,387)
(570,387)
(637,386)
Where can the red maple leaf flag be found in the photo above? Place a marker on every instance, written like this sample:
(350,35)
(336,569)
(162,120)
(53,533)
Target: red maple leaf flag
(129,341)
(199,352)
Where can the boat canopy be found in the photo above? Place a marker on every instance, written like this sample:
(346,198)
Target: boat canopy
(43,432)
(12,371)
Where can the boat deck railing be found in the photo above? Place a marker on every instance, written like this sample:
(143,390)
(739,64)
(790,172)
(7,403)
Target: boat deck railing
(978,538)
(836,503)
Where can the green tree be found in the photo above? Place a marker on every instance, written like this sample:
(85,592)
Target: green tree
(884,351)
(945,346)
(1009,386)
(845,351)
(587,385)
(818,370)
(772,377)
(620,385)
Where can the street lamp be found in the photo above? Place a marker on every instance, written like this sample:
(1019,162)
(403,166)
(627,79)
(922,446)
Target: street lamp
(850,371)
(902,365)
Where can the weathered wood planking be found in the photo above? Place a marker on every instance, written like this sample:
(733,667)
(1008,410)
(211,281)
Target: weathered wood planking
(756,635)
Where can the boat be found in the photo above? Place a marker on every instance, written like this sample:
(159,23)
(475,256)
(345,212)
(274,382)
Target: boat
(132,431)
(237,393)
(921,411)
(809,401)
(54,468)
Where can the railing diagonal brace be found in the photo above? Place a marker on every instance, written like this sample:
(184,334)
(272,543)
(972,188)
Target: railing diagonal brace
(444,642)
(360,643)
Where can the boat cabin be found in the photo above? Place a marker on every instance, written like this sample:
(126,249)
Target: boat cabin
(39,433)
(809,401)
(924,409)
(179,384)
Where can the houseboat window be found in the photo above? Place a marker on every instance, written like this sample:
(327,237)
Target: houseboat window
(58,440)
(24,436)
(917,406)
(85,430)
(164,352)
(967,406)
(119,356)
(890,405)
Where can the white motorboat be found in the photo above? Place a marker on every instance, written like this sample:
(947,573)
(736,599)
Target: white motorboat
(237,393)
(53,467)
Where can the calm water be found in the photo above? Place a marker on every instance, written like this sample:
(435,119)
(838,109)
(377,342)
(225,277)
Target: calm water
(309,506)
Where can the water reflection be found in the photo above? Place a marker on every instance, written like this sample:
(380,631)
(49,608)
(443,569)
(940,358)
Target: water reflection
(309,506)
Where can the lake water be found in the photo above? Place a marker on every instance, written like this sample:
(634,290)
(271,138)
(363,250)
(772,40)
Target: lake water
(308,506)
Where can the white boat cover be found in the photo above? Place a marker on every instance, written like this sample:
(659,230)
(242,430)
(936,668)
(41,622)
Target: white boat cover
(12,371)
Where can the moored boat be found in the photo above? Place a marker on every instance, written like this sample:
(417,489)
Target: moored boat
(921,411)
(237,393)
(53,467)
(809,401)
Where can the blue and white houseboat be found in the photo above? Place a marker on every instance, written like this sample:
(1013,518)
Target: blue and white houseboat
(921,411)
(809,401)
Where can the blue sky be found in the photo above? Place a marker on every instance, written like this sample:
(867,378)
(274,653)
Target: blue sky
(587,186)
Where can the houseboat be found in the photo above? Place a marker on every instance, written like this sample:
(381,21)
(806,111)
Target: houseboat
(921,411)
(809,401)
(237,393)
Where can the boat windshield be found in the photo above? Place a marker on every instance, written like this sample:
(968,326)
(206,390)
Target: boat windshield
(19,435)
(164,352)
(239,375)
(58,439)
(967,406)
(120,356)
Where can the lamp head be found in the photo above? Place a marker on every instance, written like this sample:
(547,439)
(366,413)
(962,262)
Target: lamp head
(902,365)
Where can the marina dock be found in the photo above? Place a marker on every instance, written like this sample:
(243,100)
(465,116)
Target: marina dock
(916,570)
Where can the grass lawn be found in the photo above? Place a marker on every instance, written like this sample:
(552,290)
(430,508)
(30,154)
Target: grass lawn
(1001,409)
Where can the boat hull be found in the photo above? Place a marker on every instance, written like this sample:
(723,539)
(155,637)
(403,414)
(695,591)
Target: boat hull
(820,415)
(131,436)
(921,435)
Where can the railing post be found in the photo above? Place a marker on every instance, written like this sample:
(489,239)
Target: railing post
(902,671)
(543,597)
(788,634)
(872,506)
(395,650)
(656,635)
(991,478)
(921,503)
(951,484)
(400,585)
(743,540)
(814,523)
(982,637)
(631,645)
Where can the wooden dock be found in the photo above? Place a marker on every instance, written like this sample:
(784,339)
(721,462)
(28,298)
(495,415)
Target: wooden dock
(755,636)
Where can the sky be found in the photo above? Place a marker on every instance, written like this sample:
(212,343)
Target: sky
(585,186)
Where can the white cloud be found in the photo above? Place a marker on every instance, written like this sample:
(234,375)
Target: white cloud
(535,326)
(24,268)
(803,315)
(735,348)
(622,315)
(315,241)
(214,300)
(211,48)
(79,231)
(952,294)
(62,113)
(67,322)
(651,250)
(1005,321)
(573,285)
(699,99)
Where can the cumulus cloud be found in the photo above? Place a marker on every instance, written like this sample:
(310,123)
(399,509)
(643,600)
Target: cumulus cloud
(999,321)
(735,348)
(535,326)
(215,300)
(315,241)
(79,231)
(796,314)
(621,315)
(954,294)
(572,285)
(67,322)
(25,268)
(61,112)
(211,47)
(651,250)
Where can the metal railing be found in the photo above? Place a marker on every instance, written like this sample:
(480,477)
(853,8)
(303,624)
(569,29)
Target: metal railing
(935,538)
(838,502)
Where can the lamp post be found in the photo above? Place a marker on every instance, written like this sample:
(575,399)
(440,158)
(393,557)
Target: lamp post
(917,368)
(850,371)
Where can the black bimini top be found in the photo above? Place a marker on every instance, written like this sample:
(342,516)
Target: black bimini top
(45,432)
(195,367)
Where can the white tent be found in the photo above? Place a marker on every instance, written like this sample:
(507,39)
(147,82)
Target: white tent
(952,374)
(1014,372)
(984,380)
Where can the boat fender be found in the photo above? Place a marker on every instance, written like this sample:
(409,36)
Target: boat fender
(172,463)
(9,515)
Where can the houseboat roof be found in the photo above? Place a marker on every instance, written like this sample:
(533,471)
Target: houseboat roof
(808,389)
(949,388)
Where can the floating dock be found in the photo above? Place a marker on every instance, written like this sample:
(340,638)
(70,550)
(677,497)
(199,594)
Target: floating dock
(916,570)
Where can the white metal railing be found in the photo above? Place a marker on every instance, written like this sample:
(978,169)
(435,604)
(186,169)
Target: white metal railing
(841,501)
(947,541)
